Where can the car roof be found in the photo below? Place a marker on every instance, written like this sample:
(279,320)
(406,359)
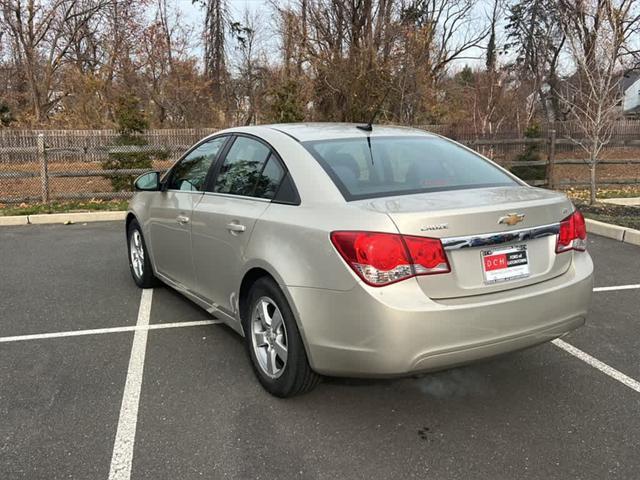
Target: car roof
(304,132)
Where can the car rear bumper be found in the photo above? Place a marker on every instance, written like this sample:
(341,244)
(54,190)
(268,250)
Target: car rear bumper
(397,330)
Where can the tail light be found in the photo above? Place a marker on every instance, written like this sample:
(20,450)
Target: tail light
(383,258)
(573,234)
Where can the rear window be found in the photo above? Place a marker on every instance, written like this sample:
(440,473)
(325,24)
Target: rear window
(403,165)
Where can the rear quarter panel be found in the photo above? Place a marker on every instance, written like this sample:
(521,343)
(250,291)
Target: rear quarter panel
(294,242)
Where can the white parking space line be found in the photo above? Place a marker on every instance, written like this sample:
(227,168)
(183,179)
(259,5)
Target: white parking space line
(122,457)
(595,363)
(98,331)
(619,287)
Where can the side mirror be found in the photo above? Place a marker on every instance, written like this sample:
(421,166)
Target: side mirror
(148,182)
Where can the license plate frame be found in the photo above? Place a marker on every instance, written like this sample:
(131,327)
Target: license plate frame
(504,264)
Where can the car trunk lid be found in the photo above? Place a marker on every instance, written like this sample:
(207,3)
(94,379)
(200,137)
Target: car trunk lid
(483,231)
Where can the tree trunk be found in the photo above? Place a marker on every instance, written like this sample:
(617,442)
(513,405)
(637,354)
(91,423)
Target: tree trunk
(592,183)
(35,100)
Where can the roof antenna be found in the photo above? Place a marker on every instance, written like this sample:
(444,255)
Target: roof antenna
(369,126)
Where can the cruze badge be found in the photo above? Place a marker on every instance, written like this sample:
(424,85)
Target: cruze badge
(438,226)
(511,219)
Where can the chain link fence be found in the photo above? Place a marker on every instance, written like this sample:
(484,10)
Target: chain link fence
(55,165)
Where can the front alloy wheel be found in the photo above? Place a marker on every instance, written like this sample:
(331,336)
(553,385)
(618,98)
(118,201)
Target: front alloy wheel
(136,253)
(139,261)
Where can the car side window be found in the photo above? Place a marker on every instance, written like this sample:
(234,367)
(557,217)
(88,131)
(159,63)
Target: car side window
(269,180)
(249,169)
(189,175)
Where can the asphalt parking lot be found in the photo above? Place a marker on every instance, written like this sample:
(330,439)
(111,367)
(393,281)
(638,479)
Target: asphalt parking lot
(539,413)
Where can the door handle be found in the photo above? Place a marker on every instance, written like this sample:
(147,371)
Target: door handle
(235,227)
(182,219)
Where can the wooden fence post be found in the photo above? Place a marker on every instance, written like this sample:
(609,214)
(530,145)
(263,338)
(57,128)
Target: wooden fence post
(44,173)
(551,165)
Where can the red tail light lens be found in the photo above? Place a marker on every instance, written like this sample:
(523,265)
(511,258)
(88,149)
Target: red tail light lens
(573,234)
(427,254)
(384,258)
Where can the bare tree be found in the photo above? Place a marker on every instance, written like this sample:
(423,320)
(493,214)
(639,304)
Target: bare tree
(435,33)
(491,92)
(251,67)
(453,26)
(42,34)
(597,33)
(162,44)
(348,52)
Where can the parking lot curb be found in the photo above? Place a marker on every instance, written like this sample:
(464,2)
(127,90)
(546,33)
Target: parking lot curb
(622,234)
(14,220)
(79,217)
(632,236)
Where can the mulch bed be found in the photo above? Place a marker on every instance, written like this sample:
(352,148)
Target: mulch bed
(625,216)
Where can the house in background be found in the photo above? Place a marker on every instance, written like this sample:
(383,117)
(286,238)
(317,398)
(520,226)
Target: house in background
(631,98)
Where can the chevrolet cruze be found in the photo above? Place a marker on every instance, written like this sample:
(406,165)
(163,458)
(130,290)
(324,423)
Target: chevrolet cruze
(348,250)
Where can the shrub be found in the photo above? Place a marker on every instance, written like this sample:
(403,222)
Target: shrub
(531,154)
(6,116)
(286,104)
(129,150)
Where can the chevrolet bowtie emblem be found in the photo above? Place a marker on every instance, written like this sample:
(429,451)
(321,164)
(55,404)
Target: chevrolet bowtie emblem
(511,219)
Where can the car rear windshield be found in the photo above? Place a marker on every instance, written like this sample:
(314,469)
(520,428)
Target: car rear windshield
(385,166)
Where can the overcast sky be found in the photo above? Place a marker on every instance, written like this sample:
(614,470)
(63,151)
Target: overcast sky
(196,14)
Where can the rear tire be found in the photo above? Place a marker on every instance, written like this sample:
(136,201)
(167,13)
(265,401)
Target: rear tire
(273,342)
(139,259)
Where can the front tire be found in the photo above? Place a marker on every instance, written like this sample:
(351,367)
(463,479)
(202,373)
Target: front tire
(139,260)
(274,344)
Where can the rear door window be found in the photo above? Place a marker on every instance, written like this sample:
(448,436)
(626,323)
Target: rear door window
(269,181)
(403,165)
(249,169)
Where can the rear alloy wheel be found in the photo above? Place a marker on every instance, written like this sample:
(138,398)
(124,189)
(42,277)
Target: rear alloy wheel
(139,262)
(274,344)
(269,337)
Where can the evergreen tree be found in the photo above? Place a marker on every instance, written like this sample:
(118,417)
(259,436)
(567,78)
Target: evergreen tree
(534,33)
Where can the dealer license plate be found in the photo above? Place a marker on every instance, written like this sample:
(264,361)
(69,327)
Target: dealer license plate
(503,264)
